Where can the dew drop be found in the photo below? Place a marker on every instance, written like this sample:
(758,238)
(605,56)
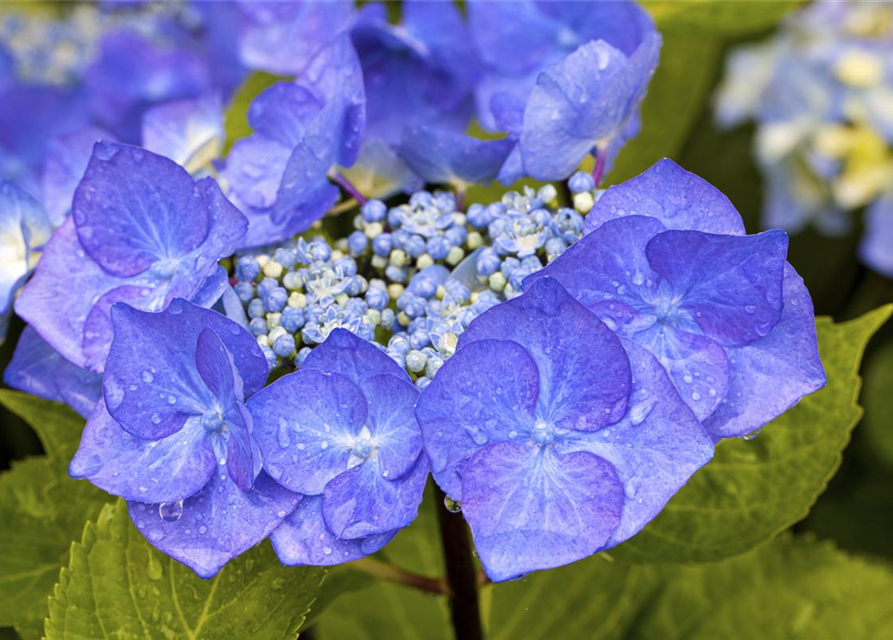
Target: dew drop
(170,511)
(753,434)
(451,505)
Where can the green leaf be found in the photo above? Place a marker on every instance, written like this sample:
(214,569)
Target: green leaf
(118,586)
(42,510)
(878,399)
(593,598)
(677,94)
(386,610)
(235,119)
(718,17)
(788,588)
(753,490)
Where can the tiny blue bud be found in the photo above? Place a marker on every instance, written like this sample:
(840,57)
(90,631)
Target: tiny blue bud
(247,268)
(265,286)
(387,318)
(256,308)
(272,360)
(245,291)
(284,346)
(291,319)
(415,246)
(258,326)
(580,182)
(439,247)
(488,262)
(276,299)
(377,298)
(302,355)
(374,211)
(382,245)
(357,242)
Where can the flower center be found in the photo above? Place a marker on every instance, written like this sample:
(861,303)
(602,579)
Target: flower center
(543,433)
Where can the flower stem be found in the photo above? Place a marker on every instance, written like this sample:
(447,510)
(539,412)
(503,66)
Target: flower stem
(341,180)
(599,169)
(461,575)
(395,574)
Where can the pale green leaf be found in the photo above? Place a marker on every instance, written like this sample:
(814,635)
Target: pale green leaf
(718,17)
(118,586)
(42,511)
(752,490)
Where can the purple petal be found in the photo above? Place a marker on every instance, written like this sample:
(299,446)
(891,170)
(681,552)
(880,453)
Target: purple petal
(731,284)
(189,132)
(698,366)
(346,353)
(282,112)
(468,405)
(254,169)
(242,458)
(454,158)
(303,539)
(584,373)
(46,301)
(215,525)
(360,502)
(576,103)
(655,449)
(512,38)
(215,366)
(305,424)
(608,271)
(134,208)
(166,470)
(33,366)
(305,193)
(152,384)
(81,389)
(679,199)
(64,165)
(392,424)
(533,509)
(771,375)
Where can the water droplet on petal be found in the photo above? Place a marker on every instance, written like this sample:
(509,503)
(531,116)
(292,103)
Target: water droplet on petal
(170,511)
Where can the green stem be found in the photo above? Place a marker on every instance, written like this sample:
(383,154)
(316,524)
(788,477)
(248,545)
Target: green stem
(397,575)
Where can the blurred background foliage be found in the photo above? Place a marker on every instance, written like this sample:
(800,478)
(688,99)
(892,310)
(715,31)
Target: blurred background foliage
(856,511)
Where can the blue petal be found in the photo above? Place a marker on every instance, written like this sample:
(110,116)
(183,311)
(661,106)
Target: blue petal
(392,423)
(584,374)
(584,99)
(532,509)
(81,389)
(453,158)
(346,353)
(254,170)
(24,227)
(133,72)
(217,524)
(655,449)
(304,539)
(876,249)
(512,37)
(152,384)
(468,405)
(698,366)
(283,38)
(771,375)
(608,271)
(189,132)
(64,165)
(360,502)
(305,193)
(134,208)
(46,301)
(679,199)
(33,366)
(621,23)
(732,285)
(282,112)
(166,470)
(305,424)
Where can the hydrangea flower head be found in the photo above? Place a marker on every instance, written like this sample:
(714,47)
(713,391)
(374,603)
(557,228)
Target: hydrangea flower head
(341,431)
(558,438)
(142,232)
(666,263)
(173,435)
